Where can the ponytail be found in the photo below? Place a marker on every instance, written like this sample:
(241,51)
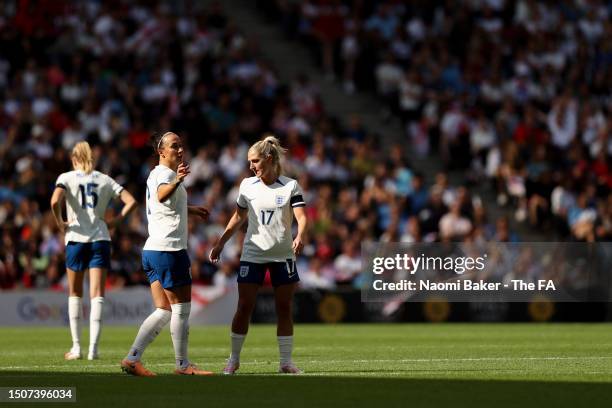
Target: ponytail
(270,146)
(82,157)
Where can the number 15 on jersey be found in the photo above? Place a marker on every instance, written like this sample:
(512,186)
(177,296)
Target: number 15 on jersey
(88,191)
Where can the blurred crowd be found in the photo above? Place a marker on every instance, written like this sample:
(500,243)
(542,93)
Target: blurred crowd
(516,92)
(114,72)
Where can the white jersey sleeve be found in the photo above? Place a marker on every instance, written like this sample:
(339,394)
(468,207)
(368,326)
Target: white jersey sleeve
(61,181)
(164,176)
(87,198)
(241,200)
(297,197)
(115,187)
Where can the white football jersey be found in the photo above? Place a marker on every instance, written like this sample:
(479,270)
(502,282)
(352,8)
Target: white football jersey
(87,197)
(167,220)
(270,215)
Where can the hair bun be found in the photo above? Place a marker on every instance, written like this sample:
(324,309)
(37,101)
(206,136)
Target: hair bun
(271,139)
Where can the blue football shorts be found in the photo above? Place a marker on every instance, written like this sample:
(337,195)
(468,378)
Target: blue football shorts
(281,273)
(84,255)
(171,268)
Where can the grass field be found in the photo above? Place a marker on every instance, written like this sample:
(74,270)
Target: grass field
(412,365)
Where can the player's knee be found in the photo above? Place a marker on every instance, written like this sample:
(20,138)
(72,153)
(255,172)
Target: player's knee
(245,308)
(96,293)
(75,292)
(283,310)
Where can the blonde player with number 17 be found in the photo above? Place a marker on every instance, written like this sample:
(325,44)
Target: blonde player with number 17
(269,201)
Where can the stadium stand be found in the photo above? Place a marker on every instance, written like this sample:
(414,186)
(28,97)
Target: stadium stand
(516,92)
(114,72)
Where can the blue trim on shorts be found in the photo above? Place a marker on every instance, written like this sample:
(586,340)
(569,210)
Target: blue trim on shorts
(281,273)
(171,268)
(85,255)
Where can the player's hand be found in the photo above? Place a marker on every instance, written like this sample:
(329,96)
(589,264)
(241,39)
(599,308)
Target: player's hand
(114,222)
(298,245)
(63,226)
(182,172)
(201,212)
(215,253)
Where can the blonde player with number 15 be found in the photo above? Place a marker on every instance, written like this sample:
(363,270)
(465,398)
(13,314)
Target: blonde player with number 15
(88,193)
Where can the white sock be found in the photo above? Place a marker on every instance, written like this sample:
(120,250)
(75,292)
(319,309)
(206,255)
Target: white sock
(95,323)
(237,342)
(75,315)
(179,330)
(149,329)
(285,347)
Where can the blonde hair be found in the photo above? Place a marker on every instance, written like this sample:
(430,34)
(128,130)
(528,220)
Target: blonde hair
(82,157)
(270,146)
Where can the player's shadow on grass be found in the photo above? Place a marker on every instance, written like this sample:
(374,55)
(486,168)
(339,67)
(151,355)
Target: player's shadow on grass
(118,390)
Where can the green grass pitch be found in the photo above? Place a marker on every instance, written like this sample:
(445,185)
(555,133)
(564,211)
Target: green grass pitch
(407,365)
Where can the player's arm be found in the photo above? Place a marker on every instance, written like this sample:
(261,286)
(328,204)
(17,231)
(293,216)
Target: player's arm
(237,220)
(201,212)
(300,216)
(129,204)
(56,207)
(164,191)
